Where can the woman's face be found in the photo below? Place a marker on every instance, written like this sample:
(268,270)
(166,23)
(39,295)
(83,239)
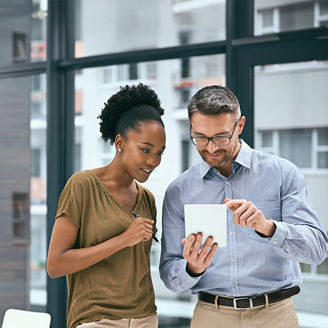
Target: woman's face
(142,149)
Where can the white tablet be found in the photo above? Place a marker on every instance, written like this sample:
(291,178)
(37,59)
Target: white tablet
(210,219)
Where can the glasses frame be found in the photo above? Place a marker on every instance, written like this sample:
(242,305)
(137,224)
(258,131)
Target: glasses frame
(192,138)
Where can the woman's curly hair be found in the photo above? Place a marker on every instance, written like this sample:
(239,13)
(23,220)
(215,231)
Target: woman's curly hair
(128,108)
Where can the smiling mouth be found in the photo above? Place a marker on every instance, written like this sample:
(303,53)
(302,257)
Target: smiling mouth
(215,154)
(145,170)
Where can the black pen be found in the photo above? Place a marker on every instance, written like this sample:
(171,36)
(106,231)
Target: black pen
(135,215)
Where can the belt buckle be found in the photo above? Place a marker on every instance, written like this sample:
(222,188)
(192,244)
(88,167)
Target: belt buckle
(236,299)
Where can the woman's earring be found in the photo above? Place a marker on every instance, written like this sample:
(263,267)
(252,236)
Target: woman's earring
(119,150)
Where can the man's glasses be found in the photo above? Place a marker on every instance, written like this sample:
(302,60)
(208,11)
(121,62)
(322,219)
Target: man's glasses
(218,141)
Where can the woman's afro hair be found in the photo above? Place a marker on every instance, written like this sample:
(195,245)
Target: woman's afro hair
(121,102)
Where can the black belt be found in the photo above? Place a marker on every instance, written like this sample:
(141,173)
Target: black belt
(251,301)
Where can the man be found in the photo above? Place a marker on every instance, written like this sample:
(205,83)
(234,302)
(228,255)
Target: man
(271,226)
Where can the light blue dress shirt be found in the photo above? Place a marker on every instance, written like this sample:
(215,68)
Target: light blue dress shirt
(250,264)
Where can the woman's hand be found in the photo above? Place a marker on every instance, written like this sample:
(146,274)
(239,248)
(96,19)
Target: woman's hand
(64,258)
(140,229)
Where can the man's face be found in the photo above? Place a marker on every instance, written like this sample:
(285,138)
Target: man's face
(221,125)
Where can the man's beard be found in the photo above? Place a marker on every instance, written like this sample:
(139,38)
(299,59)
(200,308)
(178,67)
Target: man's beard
(228,155)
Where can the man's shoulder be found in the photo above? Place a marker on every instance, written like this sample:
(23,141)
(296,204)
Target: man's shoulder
(262,158)
(185,177)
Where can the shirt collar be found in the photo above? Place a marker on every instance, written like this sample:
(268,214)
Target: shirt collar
(245,154)
(243,158)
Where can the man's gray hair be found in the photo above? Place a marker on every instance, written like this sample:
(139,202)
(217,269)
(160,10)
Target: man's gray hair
(214,100)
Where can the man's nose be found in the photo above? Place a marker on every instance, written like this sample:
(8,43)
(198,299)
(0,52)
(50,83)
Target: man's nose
(211,146)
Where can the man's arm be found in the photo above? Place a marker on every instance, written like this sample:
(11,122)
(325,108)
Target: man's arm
(299,235)
(172,264)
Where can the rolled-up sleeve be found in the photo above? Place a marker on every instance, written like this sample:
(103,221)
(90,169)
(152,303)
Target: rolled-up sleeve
(172,264)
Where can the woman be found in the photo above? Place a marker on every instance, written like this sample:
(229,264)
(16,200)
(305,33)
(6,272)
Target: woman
(97,241)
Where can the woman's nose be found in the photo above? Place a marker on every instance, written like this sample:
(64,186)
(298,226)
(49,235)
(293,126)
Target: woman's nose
(153,161)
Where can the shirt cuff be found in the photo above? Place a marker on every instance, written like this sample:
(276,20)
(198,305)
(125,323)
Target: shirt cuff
(279,237)
(194,275)
(188,281)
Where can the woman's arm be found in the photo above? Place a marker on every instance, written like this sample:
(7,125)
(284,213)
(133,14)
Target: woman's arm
(63,259)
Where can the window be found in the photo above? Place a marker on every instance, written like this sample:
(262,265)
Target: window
(291,121)
(115,75)
(77,157)
(23,31)
(321,13)
(133,71)
(108,75)
(36,109)
(298,16)
(36,163)
(124,25)
(36,83)
(277,16)
(290,143)
(287,144)
(22,205)
(94,152)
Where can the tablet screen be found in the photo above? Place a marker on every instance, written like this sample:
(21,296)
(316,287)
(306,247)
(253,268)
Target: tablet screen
(210,219)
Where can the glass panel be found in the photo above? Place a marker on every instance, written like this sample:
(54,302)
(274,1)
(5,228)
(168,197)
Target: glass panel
(286,15)
(22,195)
(291,141)
(38,209)
(323,5)
(267,140)
(285,98)
(174,87)
(122,25)
(23,31)
(323,267)
(323,160)
(295,17)
(267,17)
(323,137)
(305,267)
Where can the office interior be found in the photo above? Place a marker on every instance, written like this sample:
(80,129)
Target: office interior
(61,60)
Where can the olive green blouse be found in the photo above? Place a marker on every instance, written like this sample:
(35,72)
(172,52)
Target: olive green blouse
(119,286)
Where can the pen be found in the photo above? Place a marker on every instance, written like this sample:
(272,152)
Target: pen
(135,215)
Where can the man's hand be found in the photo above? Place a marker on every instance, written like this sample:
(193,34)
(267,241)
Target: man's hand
(198,258)
(246,214)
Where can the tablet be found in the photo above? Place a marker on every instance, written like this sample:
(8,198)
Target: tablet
(210,219)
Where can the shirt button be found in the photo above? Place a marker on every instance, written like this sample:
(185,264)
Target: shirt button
(234,285)
(232,233)
(227,182)
(275,242)
(233,260)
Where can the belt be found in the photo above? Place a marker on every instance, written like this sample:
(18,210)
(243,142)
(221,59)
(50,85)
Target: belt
(240,303)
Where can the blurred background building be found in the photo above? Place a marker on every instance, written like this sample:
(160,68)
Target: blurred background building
(59,62)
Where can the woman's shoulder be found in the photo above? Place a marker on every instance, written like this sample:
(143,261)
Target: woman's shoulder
(145,192)
(83,178)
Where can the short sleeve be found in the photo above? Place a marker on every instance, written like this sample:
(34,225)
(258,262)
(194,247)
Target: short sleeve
(70,201)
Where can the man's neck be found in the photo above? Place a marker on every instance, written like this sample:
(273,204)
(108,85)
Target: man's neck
(226,169)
